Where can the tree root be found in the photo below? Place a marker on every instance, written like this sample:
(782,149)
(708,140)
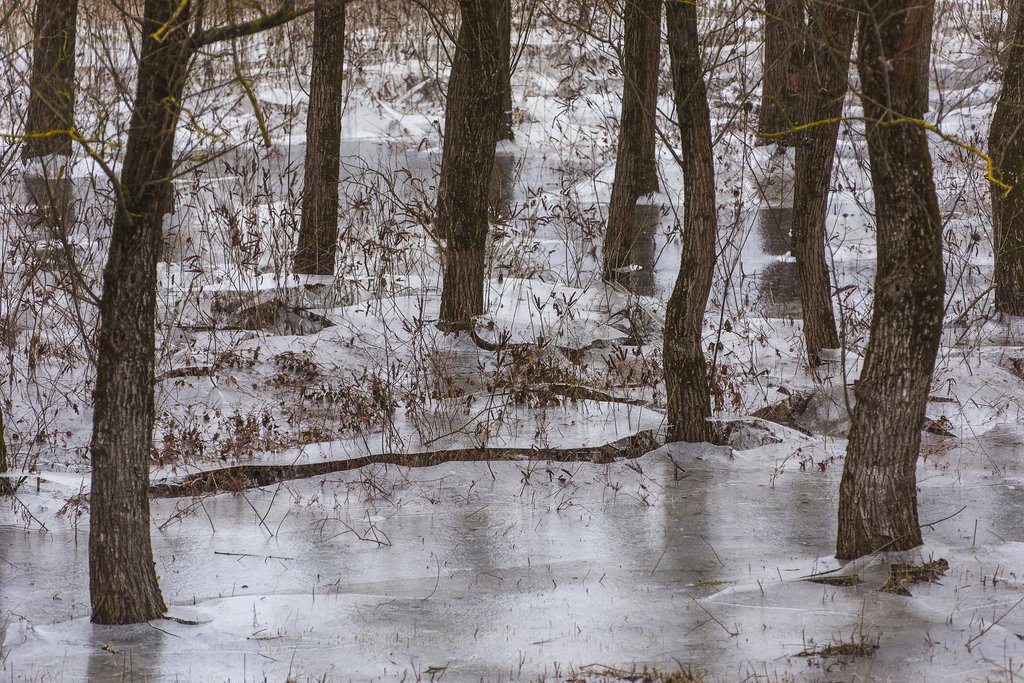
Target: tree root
(241,477)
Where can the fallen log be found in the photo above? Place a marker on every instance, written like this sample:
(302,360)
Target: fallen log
(241,477)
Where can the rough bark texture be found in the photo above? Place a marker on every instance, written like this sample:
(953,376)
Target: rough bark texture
(470,131)
(636,171)
(318,232)
(878,492)
(51,100)
(829,37)
(505,31)
(1006,146)
(686,376)
(780,88)
(122,578)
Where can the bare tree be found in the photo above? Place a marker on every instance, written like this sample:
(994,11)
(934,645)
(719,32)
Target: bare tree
(318,231)
(51,99)
(780,87)
(924,51)
(878,491)
(1006,147)
(636,171)
(505,131)
(686,375)
(472,115)
(122,578)
(828,39)
(6,486)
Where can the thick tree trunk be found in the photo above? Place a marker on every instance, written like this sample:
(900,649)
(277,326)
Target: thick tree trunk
(470,134)
(122,578)
(636,170)
(1006,146)
(505,32)
(318,232)
(780,87)
(51,100)
(829,37)
(686,376)
(878,492)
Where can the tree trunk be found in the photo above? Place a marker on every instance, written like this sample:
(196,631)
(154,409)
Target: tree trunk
(878,492)
(6,485)
(470,131)
(924,50)
(505,32)
(318,232)
(686,376)
(829,37)
(51,100)
(636,171)
(1006,146)
(122,577)
(780,87)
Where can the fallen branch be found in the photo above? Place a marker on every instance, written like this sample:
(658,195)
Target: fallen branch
(241,477)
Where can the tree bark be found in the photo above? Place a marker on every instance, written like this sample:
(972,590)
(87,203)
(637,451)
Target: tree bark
(122,577)
(505,131)
(924,49)
(686,375)
(318,232)
(470,133)
(878,491)
(1006,147)
(636,170)
(6,485)
(829,37)
(780,87)
(51,100)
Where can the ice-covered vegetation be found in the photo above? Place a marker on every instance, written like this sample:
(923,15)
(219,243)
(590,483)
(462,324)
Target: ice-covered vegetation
(581,563)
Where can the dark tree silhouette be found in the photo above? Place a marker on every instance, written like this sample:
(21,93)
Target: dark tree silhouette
(686,375)
(1006,147)
(472,115)
(878,491)
(318,231)
(824,80)
(636,171)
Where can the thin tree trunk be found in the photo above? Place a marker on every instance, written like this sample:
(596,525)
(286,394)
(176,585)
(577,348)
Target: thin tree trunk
(122,578)
(829,37)
(1006,146)
(924,49)
(636,170)
(318,232)
(780,88)
(505,131)
(470,132)
(878,491)
(51,100)
(686,375)
(6,485)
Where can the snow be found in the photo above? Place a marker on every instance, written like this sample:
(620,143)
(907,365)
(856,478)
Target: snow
(690,557)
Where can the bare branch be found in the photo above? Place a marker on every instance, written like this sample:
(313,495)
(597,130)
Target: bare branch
(285,13)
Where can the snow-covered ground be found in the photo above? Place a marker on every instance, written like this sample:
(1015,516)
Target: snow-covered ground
(692,557)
